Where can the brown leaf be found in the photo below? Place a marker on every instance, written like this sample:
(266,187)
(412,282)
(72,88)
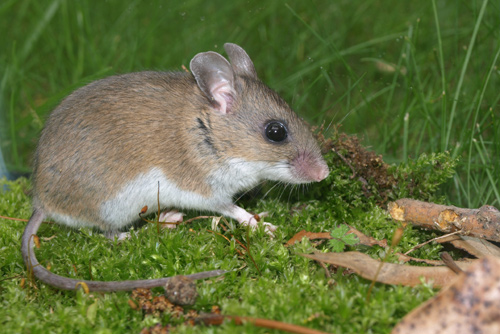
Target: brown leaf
(474,246)
(310,235)
(84,286)
(367,240)
(406,258)
(363,238)
(132,305)
(390,273)
(471,304)
(36,241)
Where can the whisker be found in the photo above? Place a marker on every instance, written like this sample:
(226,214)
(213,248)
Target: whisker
(330,124)
(274,186)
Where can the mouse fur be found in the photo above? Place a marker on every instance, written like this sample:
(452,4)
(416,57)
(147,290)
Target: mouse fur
(198,138)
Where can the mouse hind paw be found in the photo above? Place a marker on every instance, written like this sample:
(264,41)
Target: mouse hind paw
(119,236)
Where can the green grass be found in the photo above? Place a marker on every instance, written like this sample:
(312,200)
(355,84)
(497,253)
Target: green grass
(440,93)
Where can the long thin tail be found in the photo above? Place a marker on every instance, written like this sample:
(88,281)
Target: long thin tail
(65,283)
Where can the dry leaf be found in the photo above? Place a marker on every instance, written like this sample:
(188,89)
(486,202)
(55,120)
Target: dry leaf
(474,246)
(366,240)
(390,273)
(363,238)
(36,241)
(470,305)
(310,235)
(406,258)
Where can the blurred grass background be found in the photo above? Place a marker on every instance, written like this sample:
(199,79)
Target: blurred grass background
(407,76)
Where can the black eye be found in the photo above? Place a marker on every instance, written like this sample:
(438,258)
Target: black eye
(276,131)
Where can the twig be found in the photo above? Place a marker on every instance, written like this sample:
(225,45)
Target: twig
(21,220)
(221,235)
(264,323)
(325,267)
(199,217)
(429,241)
(346,162)
(9,278)
(480,223)
(447,259)
(396,238)
(16,219)
(249,253)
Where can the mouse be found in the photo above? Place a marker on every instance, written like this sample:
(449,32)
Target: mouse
(183,139)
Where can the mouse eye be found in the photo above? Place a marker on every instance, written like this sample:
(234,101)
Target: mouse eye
(276,131)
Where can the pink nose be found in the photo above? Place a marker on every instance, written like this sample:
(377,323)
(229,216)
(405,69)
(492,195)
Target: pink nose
(322,172)
(309,168)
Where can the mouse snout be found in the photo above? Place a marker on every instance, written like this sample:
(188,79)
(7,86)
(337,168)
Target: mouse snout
(310,168)
(321,171)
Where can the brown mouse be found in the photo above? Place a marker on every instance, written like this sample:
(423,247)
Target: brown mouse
(201,137)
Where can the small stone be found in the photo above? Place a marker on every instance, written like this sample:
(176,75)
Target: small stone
(181,290)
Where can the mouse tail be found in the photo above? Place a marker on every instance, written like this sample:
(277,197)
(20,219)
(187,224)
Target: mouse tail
(65,283)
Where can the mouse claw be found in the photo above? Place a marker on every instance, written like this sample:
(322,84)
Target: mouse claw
(258,219)
(270,229)
(247,219)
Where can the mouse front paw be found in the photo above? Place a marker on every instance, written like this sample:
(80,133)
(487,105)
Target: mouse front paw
(255,220)
(245,218)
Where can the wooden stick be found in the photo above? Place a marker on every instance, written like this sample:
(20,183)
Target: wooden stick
(481,223)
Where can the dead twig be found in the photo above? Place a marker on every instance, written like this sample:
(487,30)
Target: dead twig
(481,223)
(429,241)
(450,263)
(15,219)
(346,162)
(264,323)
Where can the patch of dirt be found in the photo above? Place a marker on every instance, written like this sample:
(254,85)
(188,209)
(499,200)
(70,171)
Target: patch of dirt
(366,166)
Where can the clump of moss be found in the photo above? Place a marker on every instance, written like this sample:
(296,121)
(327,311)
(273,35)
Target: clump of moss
(360,178)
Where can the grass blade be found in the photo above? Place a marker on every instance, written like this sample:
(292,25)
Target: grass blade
(462,73)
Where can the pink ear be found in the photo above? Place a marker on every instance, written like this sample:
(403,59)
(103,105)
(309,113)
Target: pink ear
(215,78)
(223,94)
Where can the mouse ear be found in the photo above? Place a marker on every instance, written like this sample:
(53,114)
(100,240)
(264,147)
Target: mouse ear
(241,62)
(215,77)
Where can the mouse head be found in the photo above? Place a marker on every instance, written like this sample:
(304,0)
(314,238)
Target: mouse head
(251,123)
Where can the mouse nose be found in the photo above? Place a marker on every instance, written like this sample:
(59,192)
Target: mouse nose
(310,168)
(320,171)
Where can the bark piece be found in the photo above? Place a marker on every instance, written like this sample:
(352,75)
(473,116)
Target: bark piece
(481,223)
